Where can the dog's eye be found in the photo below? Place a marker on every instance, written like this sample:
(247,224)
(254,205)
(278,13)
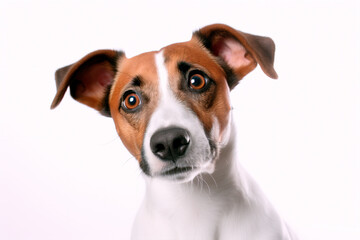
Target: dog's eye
(131,101)
(198,81)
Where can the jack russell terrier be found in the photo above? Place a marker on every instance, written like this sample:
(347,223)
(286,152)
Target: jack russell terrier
(172,111)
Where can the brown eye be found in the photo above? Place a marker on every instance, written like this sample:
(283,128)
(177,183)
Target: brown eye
(197,81)
(131,101)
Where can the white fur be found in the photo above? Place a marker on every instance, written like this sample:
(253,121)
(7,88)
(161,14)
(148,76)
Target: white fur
(216,202)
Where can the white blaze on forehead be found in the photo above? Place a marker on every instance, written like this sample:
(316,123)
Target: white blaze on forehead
(170,111)
(167,101)
(164,86)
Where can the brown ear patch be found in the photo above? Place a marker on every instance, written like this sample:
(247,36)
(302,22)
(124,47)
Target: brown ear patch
(240,51)
(88,78)
(235,55)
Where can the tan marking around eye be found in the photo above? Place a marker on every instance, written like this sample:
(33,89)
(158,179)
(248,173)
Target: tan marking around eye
(195,54)
(131,127)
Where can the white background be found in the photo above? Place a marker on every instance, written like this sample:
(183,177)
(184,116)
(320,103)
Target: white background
(64,174)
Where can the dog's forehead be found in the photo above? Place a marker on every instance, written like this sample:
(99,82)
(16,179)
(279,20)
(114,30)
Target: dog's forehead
(142,65)
(191,51)
(145,66)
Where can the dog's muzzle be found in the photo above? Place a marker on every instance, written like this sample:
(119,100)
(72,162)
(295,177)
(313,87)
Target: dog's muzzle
(177,153)
(170,144)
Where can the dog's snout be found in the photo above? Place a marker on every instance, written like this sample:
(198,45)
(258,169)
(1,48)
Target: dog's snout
(170,144)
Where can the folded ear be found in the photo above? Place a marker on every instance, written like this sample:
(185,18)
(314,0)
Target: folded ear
(89,79)
(240,51)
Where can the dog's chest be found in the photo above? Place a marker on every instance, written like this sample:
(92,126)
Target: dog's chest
(206,211)
(181,216)
(197,212)
(188,223)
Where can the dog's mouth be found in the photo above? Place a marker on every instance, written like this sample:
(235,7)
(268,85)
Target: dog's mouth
(179,174)
(177,171)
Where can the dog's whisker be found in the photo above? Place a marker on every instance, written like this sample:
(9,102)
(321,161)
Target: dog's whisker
(209,189)
(200,182)
(211,177)
(108,142)
(127,161)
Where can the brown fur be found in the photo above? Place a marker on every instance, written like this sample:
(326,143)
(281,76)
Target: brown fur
(131,127)
(194,53)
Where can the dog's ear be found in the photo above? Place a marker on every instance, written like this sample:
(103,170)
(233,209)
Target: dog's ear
(89,79)
(240,51)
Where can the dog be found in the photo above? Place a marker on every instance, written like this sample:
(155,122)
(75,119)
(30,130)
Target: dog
(172,111)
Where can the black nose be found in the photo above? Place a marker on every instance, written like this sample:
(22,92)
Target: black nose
(169,144)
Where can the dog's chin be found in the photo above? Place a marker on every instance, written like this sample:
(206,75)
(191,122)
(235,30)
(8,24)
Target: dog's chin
(179,175)
(184,174)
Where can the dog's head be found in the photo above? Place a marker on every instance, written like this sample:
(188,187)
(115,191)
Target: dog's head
(171,108)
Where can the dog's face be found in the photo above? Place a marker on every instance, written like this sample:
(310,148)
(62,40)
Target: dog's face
(171,108)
